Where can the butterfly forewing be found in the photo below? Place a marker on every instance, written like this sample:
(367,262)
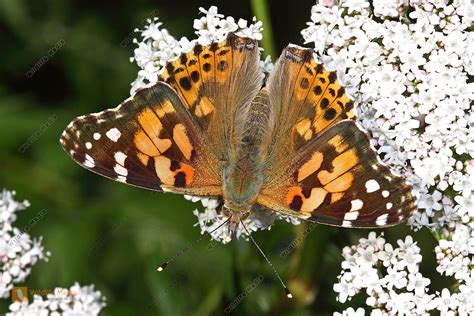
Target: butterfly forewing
(338,180)
(148,141)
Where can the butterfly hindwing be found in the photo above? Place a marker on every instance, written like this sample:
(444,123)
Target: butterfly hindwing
(338,180)
(306,98)
(216,82)
(148,141)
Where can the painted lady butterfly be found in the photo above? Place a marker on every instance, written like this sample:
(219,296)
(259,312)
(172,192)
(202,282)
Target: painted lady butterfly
(208,128)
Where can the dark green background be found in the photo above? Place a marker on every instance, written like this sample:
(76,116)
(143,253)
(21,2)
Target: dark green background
(113,235)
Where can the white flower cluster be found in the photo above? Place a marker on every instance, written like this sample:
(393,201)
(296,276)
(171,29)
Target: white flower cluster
(392,281)
(407,64)
(455,257)
(75,301)
(211,218)
(18,252)
(157,46)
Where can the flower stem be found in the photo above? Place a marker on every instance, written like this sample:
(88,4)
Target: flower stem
(260,10)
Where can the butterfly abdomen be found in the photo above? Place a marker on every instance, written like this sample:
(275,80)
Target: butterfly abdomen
(253,129)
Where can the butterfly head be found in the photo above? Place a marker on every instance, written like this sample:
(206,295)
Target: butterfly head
(235,216)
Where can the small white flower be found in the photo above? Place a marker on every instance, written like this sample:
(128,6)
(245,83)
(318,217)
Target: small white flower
(465,207)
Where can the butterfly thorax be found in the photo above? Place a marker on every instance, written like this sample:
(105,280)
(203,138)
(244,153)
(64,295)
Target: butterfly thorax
(243,174)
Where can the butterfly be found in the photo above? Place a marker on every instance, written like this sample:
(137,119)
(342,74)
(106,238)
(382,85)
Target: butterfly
(212,126)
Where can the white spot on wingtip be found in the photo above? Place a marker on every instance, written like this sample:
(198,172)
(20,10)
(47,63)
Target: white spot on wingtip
(89,162)
(346,223)
(356,205)
(372,186)
(389,206)
(385,193)
(121,178)
(96,136)
(113,134)
(88,145)
(120,157)
(350,216)
(381,220)
(121,171)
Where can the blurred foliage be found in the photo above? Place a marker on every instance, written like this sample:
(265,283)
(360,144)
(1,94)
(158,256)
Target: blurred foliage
(113,235)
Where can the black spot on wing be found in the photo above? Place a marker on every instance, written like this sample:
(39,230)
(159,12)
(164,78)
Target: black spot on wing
(304,84)
(222,65)
(180,180)
(195,76)
(296,203)
(185,83)
(324,103)
(317,90)
(206,67)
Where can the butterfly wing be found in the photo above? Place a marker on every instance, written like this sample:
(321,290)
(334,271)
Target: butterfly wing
(306,100)
(216,82)
(338,180)
(322,166)
(173,136)
(148,141)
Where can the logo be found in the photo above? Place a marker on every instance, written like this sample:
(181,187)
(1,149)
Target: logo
(20,294)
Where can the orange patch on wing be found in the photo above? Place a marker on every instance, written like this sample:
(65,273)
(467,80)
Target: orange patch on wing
(168,176)
(145,145)
(143,158)
(163,170)
(303,128)
(204,107)
(321,124)
(315,199)
(308,205)
(188,171)
(152,126)
(292,192)
(223,62)
(165,108)
(339,144)
(341,164)
(309,167)
(341,183)
(181,139)
(336,197)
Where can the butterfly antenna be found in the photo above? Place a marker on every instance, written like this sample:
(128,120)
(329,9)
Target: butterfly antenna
(287,291)
(179,253)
